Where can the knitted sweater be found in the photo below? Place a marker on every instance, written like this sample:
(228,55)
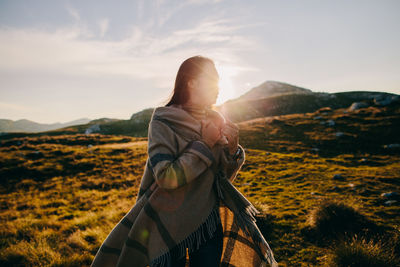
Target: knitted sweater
(185,191)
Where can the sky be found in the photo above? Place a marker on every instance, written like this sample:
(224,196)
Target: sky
(65,60)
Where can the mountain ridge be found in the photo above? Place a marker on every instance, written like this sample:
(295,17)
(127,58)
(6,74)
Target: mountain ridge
(270,88)
(25,125)
(270,98)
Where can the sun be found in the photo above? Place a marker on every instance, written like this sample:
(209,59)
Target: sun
(226,88)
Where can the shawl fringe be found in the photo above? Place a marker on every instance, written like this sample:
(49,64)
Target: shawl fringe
(193,241)
(244,215)
(246,210)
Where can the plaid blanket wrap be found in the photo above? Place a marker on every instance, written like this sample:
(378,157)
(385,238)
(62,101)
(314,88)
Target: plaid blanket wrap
(185,190)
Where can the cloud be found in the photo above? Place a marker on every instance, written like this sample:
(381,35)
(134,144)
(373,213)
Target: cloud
(74,13)
(141,55)
(103,26)
(204,1)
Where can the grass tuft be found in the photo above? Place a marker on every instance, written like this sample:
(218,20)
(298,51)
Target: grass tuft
(332,219)
(362,252)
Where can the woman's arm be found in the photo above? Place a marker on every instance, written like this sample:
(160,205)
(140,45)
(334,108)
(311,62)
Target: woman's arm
(170,170)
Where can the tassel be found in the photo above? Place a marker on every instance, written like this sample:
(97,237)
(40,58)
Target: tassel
(192,242)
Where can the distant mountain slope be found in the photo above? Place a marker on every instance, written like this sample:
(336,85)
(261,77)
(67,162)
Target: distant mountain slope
(270,89)
(242,110)
(269,99)
(136,126)
(31,126)
(273,98)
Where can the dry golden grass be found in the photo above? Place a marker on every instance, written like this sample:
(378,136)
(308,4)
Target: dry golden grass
(62,220)
(60,199)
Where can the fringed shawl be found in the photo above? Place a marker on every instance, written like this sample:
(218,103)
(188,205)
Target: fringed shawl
(185,191)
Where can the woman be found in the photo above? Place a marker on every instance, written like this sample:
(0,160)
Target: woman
(186,202)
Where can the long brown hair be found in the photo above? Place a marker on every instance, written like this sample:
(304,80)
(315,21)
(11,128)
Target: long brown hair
(189,69)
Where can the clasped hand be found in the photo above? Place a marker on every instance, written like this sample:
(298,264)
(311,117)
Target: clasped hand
(212,133)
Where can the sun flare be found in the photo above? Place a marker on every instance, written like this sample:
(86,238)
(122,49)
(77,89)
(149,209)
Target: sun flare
(226,88)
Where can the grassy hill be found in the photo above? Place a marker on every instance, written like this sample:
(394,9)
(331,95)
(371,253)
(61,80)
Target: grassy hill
(269,89)
(325,197)
(31,126)
(270,98)
(327,131)
(242,110)
(136,126)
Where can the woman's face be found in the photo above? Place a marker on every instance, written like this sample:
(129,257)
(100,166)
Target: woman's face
(204,88)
